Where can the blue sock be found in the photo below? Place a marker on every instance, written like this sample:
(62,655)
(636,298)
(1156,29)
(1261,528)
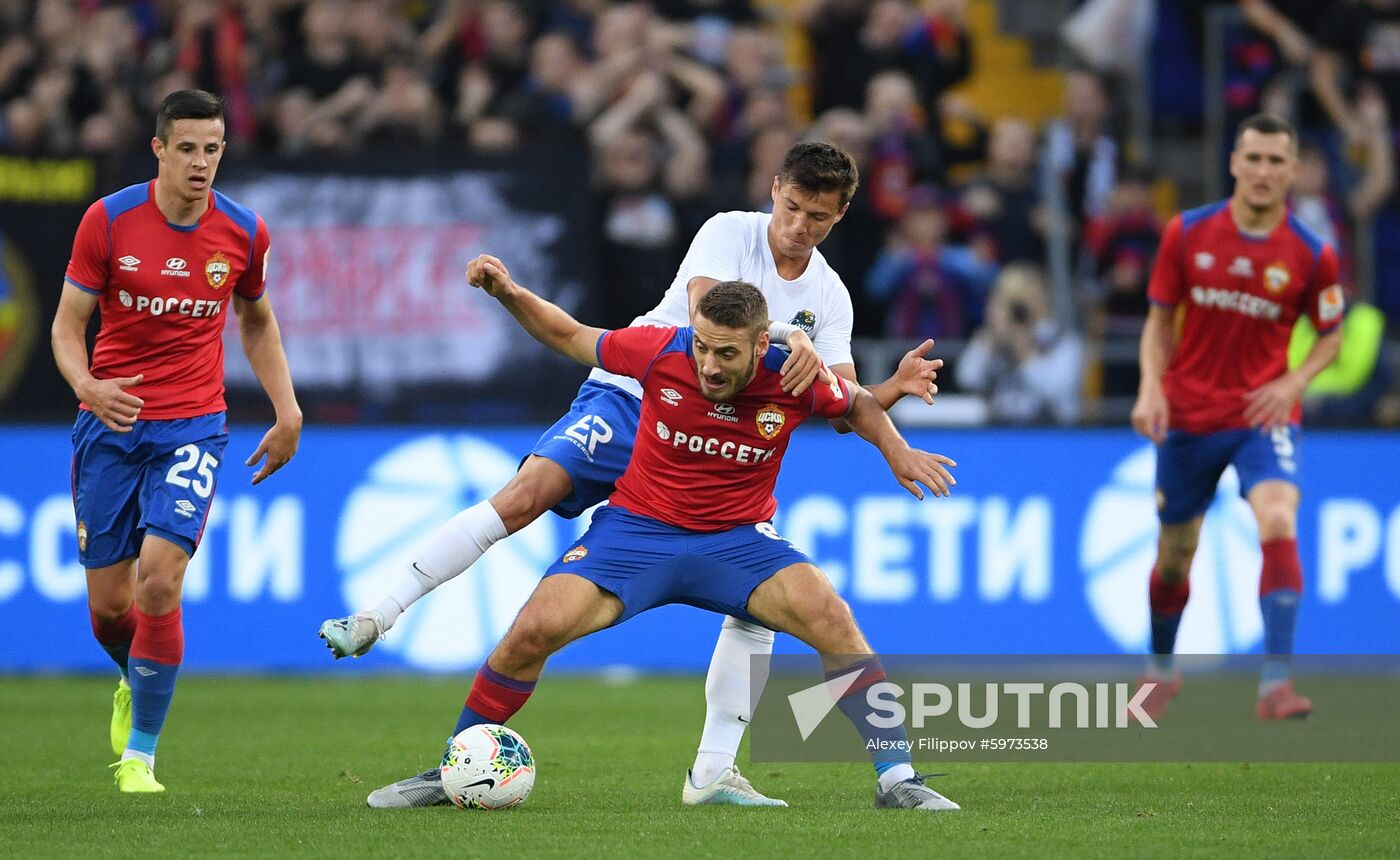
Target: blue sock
(152,688)
(1280,611)
(468,719)
(889,747)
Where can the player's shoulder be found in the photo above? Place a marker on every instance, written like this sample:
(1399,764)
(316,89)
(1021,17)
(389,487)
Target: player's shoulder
(244,217)
(119,203)
(1300,232)
(734,222)
(1191,218)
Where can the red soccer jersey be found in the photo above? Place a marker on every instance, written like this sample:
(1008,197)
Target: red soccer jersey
(1239,298)
(698,464)
(163,292)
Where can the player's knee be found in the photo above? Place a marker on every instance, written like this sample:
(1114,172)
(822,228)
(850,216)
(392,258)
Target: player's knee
(109,608)
(831,621)
(526,498)
(532,637)
(1276,522)
(159,590)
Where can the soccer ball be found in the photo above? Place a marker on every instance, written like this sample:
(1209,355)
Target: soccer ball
(488,767)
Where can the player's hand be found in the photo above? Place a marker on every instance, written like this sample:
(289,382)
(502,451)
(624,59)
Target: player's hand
(912,467)
(490,274)
(278,444)
(916,374)
(803,365)
(1150,414)
(112,404)
(1271,404)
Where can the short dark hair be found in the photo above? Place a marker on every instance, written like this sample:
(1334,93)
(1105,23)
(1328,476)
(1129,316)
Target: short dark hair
(818,167)
(187,104)
(734,304)
(1268,123)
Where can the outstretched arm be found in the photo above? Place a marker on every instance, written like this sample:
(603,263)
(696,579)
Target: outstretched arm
(262,344)
(546,322)
(911,467)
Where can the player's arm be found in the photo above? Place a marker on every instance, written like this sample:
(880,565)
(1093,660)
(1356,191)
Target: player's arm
(914,377)
(107,398)
(1150,412)
(802,366)
(262,344)
(910,466)
(546,322)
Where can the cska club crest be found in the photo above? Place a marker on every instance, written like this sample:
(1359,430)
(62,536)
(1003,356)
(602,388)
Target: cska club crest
(217,270)
(576,553)
(770,421)
(1276,277)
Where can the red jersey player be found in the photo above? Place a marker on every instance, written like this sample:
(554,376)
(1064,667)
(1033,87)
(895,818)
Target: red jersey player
(689,520)
(1229,282)
(164,260)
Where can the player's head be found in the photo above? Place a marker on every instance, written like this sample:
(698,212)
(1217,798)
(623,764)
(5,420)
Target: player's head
(731,336)
(1264,161)
(189,141)
(810,194)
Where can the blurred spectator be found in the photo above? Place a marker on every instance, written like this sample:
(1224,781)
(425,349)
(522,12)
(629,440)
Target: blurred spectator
(1315,200)
(1021,361)
(1080,153)
(1359,43)
(1347,390)
(902,153)
(1273,76)
(928,289)
(1004,198)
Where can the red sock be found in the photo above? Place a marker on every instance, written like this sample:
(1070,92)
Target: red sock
(160,638)
(497,697)
(114,631)
(1166,597)
(1282,570)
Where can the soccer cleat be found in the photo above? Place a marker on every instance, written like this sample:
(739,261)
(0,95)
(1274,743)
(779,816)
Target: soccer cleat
(912,793)
(424,789)
(353,635)
(121,716)
(136,777)
(1155,703)
(728,789)
(1283,703)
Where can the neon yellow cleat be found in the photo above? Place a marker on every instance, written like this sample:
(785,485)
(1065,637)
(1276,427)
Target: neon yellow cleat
(121,716)
(136,777)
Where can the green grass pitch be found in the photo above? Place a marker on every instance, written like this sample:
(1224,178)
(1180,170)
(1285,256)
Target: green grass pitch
(280,767)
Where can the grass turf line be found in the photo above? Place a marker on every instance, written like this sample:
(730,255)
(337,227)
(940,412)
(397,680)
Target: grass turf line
(279,767)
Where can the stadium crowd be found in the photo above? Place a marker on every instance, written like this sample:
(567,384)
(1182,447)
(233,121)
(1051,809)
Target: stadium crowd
(687,106)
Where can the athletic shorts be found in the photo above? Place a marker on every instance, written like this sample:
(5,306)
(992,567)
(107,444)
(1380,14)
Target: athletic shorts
(593,443)
(1189,466)
(158,479)
(647,563)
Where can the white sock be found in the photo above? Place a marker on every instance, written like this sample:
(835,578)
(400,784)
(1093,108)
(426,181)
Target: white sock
(895,775)
(453,548)
(727,705)
(148,758)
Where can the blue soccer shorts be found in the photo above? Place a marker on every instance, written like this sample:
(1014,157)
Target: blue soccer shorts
(647,563)
(1189,466)
(593,442)
(158,479)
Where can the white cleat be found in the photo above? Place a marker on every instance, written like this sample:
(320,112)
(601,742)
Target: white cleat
(424,789)
(913,794)
(354,635)
(729,788)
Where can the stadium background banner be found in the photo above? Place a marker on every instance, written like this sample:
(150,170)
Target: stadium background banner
(1044,548)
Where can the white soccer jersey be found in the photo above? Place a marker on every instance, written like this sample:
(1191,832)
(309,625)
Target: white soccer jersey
(733,246)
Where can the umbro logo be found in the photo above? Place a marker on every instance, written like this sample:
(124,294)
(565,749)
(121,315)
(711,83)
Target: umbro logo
(144,672)
(184,508)
(128,263)
(671,397)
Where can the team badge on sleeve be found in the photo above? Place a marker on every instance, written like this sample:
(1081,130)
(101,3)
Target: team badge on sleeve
(1330,304)
(770,420)
(216,270)
(1276,277)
